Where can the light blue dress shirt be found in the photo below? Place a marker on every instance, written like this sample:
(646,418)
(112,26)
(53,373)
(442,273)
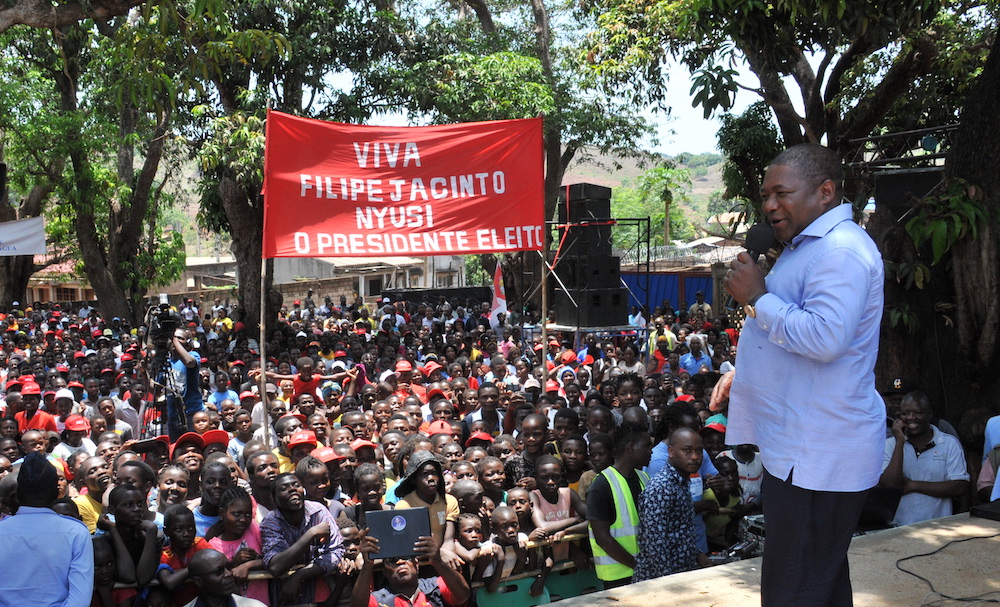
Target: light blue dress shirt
(51,560)
(804,389)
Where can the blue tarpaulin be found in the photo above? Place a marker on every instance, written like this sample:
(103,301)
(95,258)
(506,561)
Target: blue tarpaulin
(666,286)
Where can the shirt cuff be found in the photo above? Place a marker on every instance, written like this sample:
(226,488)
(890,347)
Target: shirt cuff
(767,307)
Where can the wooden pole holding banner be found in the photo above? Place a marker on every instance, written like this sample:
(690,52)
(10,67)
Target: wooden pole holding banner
(545,312)
(262,341)
(262,378)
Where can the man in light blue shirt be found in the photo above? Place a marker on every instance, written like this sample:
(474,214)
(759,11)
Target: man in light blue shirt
(804,389)
(53,554)
(693,361)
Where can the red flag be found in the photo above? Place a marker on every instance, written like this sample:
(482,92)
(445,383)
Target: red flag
(499,297)
(341,190)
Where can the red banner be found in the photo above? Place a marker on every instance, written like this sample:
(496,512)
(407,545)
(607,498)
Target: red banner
(342,190)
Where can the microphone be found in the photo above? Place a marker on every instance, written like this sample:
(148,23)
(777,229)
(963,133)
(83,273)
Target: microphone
(760,237)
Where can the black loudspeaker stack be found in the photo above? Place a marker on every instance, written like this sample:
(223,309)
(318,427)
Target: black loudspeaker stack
(590,273)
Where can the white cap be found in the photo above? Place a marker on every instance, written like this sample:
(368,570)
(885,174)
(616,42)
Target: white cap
(65,393)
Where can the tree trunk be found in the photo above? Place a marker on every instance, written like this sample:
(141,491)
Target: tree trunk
(246,221)
(14,275)
(976,272)
(16,271)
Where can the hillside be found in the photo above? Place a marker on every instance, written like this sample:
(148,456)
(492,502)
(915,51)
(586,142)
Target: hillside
(706,177)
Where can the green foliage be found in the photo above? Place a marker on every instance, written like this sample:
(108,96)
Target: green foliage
(475,274)
(709,35)
(943,219)
(235,146)
(648,198)
(452,70)
(718,204)
(465,86)
(713,89)
(902,316)
(961,40)
(89,121)
(907,274)
(749,142)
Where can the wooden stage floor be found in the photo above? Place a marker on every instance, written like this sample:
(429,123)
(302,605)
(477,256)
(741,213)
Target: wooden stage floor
(966,569)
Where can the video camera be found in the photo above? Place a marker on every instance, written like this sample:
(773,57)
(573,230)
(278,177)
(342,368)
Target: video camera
(162,323)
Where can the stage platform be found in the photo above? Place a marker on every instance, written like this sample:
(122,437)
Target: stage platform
(963,569)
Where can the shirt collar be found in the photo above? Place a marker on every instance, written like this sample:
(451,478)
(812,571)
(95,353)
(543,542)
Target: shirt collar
(822,225)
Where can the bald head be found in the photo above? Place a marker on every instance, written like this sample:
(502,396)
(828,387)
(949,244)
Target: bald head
(206,561)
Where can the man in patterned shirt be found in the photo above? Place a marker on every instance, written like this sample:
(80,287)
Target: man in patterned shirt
(666,513)
(299,532)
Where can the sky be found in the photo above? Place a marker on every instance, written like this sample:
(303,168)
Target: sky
(687,130)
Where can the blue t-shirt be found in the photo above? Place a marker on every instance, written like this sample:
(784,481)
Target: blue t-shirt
(186,379)
(216,398)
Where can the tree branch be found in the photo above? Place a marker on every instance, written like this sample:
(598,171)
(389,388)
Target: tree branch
(862,118)
(141,193)
(775,95)
(41,14)
(484,15)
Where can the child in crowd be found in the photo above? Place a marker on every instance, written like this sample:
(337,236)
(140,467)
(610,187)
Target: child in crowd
(601,456)
(370,484)
(423,485)
(470,495)
(105,594)
(216,479)
(493,477)
(514,556)
(719,519)
(503,447)
(242,434)
(179,527)
(464,471)
(520,467)
(172,487)
(519,499)
(557,510)
(574,459)
(476,454)
(350,563)
(134,540)
(470,547)
(237,536)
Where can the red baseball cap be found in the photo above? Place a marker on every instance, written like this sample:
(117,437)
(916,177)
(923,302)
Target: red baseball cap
(438,426)
(302,437)
(77,423)
(31,388)
(716,426)
(360,443)
(436,392)
(431,367)
(188,437)
(215,436)
(478,436)
(326,455)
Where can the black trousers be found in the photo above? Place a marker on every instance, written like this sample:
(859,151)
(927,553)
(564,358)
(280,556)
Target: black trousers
(806,537)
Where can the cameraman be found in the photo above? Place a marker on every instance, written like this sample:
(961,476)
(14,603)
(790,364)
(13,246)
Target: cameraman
(184,367)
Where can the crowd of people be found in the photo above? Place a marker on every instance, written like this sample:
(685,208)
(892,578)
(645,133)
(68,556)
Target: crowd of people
(195,486)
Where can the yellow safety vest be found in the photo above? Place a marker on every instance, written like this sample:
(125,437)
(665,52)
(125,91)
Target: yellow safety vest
(625,529)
